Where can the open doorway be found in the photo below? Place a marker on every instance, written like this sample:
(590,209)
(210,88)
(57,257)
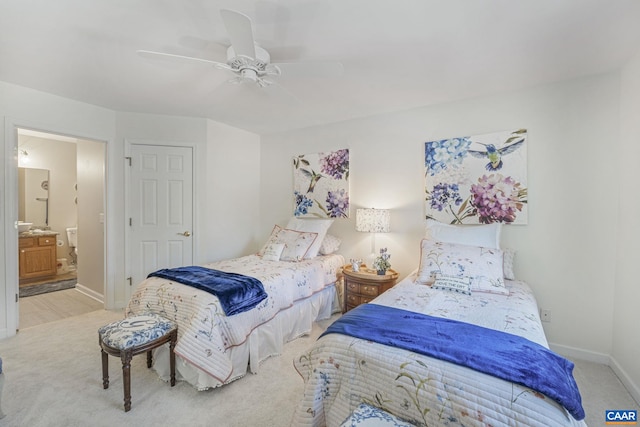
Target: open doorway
(62,212)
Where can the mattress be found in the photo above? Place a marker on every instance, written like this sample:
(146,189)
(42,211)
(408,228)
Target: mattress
(341,372)
(212,347)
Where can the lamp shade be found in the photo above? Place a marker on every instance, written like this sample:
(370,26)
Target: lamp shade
(373,220)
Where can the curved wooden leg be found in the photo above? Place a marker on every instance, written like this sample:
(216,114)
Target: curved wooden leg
(172,356)
(126,378)
(149,359)
(105,369)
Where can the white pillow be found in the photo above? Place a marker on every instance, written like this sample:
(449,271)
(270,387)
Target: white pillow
(319,226)
(273,251)
(296,243)
(330,244)
(482,265)
(509,255)
(486,235)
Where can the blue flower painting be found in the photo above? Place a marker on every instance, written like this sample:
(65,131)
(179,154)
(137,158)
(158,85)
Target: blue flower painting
(321,184)
(479,179)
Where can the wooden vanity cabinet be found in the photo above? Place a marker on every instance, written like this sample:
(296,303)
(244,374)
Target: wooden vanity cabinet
(37,257)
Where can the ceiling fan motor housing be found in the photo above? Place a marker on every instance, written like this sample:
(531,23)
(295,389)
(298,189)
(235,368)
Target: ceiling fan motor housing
(242,63)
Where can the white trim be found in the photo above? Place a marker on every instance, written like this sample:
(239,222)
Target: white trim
(578,353)
(10,255)
(631,387)
(90,293)
(605,359)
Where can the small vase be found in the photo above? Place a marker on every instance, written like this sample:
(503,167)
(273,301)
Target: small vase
(382,272)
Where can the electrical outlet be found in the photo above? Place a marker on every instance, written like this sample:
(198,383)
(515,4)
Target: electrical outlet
(545,315)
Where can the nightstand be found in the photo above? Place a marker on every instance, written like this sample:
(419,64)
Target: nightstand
(362,286)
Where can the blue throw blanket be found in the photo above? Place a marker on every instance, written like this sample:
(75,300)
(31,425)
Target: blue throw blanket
(237,293)
(503,355)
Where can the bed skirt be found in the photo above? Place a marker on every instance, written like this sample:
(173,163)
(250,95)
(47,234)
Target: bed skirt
(265,341)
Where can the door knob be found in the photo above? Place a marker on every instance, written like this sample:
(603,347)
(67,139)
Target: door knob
(185,234)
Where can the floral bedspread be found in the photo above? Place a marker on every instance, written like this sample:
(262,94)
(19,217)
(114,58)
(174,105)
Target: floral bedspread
(205,333)
(341,372)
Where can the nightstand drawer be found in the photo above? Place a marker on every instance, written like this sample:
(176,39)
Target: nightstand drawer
(352,299)
(353,287)
(369,290)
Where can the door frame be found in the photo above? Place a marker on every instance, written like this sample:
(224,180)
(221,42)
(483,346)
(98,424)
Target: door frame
(10,257)
(129,287)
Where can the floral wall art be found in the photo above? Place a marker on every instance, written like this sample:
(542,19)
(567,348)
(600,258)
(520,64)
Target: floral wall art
(321,184)
(478,179)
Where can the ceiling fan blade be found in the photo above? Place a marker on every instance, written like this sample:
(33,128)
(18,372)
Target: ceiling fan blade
(180,58)
(240,32)
(310,69)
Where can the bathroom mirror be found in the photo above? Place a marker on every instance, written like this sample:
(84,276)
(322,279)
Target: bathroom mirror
(33,196)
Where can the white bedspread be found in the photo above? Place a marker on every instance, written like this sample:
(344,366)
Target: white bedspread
(340,372)
(206,335)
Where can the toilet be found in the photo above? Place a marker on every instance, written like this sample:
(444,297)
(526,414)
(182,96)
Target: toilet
(72,237)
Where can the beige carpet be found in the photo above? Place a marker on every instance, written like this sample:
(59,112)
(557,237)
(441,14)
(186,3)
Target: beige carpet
(53,378)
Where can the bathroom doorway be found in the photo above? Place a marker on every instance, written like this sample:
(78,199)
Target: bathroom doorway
(73,217)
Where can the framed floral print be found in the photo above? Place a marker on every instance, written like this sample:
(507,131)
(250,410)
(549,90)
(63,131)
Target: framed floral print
(480,179)
(321,184)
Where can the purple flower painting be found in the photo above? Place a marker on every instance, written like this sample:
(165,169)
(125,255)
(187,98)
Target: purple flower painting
(321,184)
(479,179)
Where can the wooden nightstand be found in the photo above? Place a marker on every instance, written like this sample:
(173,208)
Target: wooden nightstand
(363,286)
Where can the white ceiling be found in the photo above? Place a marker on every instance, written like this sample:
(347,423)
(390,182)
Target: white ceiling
(396,54)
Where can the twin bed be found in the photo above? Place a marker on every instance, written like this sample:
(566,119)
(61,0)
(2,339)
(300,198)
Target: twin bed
(298,267)
(458,342)
(463,292)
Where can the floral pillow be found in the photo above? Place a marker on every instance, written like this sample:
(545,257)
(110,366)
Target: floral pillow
(319,226)
(296,243)
(482,265)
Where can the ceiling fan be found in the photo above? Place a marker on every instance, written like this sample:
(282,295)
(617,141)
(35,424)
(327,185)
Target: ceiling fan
(249,62)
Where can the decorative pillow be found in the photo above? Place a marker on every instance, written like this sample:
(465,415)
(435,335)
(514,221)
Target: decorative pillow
(366,415)
(273,251)
(509,255)
(482,265)
(459,284)
(330,244)
(319,226)
(296,243)
(486,236)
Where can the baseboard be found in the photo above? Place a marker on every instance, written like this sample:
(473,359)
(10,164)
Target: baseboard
(633,388)
(578,353)
(90,293)
(605,359)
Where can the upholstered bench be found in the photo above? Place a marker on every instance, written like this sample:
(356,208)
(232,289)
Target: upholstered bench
(134,335)
(370,416)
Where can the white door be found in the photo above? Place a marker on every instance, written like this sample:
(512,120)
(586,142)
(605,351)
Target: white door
(160,202)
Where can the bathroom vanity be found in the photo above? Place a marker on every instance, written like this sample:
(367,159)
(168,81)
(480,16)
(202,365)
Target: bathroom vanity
(37,255)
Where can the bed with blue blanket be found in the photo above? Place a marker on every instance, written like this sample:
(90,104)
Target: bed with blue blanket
(435,356)
(235,313)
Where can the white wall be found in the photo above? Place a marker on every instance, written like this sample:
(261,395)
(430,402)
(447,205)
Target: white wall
(235,153)
(564,252)
(32,109)
(626,315)
(230,209)
(90,173)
